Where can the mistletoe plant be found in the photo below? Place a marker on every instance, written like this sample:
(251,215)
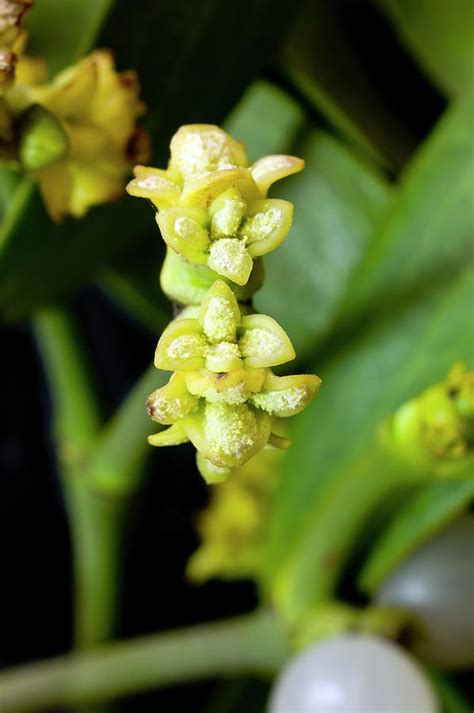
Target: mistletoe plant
(383,461)
(216,220)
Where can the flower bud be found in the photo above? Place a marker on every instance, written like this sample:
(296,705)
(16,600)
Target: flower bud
(42,139)
(235,222)
(438,425)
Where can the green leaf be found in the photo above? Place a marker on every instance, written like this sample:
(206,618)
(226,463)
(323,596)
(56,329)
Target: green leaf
(330,480)
(441,36)
(428,236)
(340,203)
(267,120)
(318,60)
(426,513)
(62,32)
(41,262)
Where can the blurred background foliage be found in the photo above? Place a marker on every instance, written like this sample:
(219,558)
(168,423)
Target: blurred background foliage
(375,283)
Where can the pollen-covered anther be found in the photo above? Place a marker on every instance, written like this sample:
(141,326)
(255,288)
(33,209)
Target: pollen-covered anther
(181,346)
(266,225)
(229,257)
(261,224)
(186,346)
(285,396)
(227,211)
(219,322)
(234,433)
(171,402)
(264,342)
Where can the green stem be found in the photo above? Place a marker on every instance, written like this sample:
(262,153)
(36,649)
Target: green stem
(76,413)
(96,530)
(94,521)
(121,452)
(100,469)
(248,644)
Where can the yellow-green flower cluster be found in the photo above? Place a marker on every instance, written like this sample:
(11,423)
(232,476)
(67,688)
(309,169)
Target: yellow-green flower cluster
(213,210)
(437,427)
(223,395)
(232,526)
(216,219)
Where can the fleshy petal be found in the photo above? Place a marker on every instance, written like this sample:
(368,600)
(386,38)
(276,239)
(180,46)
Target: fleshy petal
(211,473)
(71,92)
(183,229)
(276,442)
(220,314)
(232,387)
(203,191)
(229,257)
(267,225)
(182,346)
(172,436)
(263,342)
(172,402)
(197,149)
(269,169)
(154,184)
(286,395)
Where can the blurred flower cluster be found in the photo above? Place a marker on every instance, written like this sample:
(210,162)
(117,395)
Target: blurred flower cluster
(437,427)
(77,134)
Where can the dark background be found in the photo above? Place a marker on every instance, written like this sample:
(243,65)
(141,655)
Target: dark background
(35,596)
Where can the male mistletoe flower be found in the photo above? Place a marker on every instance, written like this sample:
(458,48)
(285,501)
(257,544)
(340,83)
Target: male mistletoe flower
(213,210)
(224,398)
(97,108)
(435,430)
(77,135)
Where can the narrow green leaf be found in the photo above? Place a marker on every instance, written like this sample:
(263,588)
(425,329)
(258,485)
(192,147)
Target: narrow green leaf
(340,204)
(321,63)
(9,181)
(267,120)
(426,513)
(61,32)
(327,481)
(441,36)
(428,235)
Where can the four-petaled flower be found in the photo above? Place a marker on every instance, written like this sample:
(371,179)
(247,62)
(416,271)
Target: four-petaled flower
(224,397)
(96,108)
(213,208)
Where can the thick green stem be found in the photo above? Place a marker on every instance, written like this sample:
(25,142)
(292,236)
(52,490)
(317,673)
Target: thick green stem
(248,644)
(95,522)
(96,530)
(100,469)
(76,413)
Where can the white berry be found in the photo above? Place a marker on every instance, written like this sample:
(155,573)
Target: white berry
(352,674)
(436,583)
